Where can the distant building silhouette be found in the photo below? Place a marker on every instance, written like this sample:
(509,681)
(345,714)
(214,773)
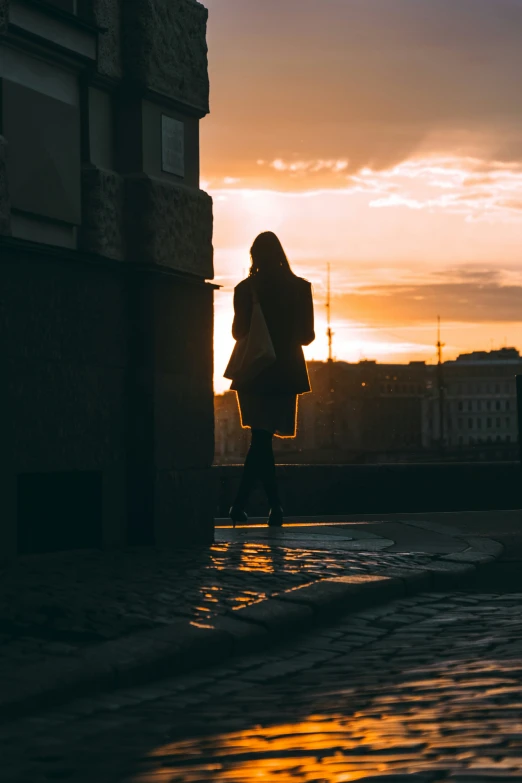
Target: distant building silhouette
(371,412)
(480,402)
(356,412)
(231,440)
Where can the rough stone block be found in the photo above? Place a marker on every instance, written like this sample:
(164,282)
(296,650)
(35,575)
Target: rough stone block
(132,660)
(170,225)
(107,14)
(247,637)
(184,508)
(444,574)
(165,48)
(185,433)
(94,328)
(345,594)
(172,307)
(477,558)
(66,417)
(4,14)
(168,651)
(274,615)
(55,311)
(5,205)
(485,545)
(415,581)
(101,231)
(30,317)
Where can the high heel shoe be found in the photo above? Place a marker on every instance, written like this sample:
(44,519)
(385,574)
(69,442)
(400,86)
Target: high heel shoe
(237,515)
(275,518)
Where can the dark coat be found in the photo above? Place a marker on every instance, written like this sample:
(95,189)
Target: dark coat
(289,314)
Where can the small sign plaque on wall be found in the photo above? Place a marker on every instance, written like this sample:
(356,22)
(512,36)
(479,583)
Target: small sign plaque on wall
(172,146)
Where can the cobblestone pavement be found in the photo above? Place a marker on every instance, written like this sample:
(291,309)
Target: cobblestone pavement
(56,607)
(427,687)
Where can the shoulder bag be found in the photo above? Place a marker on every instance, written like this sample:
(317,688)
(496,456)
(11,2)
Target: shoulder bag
(254,352)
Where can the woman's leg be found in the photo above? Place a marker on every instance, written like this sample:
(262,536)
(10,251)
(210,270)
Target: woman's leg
(259,464)
(251,469)
(267,468)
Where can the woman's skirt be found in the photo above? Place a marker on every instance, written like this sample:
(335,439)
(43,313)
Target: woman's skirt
(276,413)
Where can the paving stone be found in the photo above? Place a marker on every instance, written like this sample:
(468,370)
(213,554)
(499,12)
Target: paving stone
(70,603)
(303,715)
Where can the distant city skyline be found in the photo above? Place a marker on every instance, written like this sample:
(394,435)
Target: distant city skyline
(383,137)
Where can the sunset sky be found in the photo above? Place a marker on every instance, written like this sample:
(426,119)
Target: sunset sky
(383,137)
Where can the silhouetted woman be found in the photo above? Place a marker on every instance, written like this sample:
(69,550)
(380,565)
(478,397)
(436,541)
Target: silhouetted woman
(268,403)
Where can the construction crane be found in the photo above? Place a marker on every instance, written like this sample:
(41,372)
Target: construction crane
(329,332)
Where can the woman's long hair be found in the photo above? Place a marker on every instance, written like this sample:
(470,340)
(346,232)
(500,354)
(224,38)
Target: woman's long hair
(268,257)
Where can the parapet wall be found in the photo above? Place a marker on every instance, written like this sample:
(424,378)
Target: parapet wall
(314,490)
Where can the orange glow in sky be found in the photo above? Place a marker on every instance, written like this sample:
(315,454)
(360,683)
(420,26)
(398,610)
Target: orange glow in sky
(382,137)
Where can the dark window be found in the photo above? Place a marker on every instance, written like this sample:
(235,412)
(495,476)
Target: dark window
(470,423)
(499,422)
(460,424)
(479,423)
(508,422)
(497,405)
(489,424)
(508,405)
(488,405)
(47,502)
(461,406)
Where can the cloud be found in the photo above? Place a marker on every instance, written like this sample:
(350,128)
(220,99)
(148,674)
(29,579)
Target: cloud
(473,301)
(467,187)
(296,167)
(373,82)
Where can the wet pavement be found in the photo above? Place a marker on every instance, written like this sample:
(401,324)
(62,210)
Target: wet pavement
(429,686)
(57,607)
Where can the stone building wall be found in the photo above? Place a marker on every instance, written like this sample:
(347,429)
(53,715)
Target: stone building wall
(165,49)
(170,225)
(5,209)
(102,230)
(107,14)
(3,14)
(106,320)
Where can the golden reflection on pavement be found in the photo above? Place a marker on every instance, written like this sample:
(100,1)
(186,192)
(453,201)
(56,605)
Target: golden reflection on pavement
(451,717)
(318,748)
(257,558)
